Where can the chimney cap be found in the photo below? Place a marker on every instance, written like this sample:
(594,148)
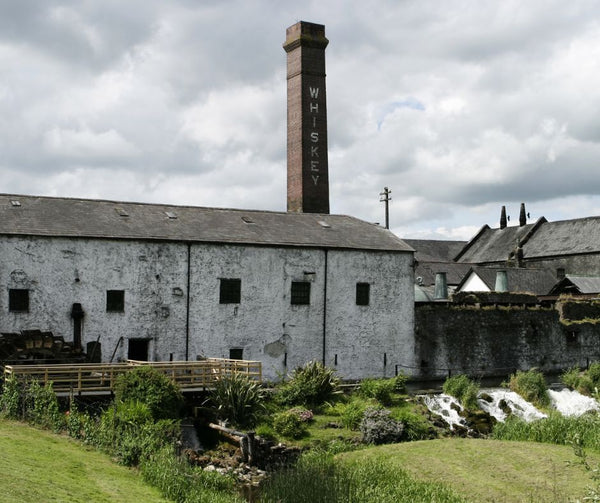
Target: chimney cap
(305,34)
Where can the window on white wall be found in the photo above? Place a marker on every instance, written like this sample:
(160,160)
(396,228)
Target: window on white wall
(115,301)
(18,300)
(362,294)
(230,291)
(300,292)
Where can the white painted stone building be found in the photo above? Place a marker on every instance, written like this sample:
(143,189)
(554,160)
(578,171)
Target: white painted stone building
(162,282)
(168,282)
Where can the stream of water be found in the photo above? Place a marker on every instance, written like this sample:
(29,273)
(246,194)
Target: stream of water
(500,403)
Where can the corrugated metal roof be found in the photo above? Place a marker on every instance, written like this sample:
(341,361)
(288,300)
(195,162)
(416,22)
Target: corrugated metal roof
(66,217)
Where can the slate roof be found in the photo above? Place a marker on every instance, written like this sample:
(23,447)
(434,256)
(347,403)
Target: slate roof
(577,284)
(66,217)
(565,237)
(435,250)
(494,245)
(433,256)
(541,239)
(520,280)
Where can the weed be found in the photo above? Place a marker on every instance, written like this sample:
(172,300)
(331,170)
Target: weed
(463,389)
(531,385)
(239,399)
(310,385)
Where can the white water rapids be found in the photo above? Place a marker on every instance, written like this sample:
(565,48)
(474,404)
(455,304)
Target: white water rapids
(500,402)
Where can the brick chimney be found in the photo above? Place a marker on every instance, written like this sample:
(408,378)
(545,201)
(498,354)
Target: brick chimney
(307,165)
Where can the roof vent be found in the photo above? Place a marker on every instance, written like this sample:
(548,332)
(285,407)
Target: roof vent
(121,212)
(248,220)
(14,202)
(171,215)
(322,223)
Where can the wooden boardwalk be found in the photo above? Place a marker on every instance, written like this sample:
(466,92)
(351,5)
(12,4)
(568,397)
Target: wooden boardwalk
(97,378)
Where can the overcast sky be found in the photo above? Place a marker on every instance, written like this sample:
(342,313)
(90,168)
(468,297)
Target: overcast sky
(459,107)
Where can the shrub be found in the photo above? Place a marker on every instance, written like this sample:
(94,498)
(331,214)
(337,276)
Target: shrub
(148,385)
(378,427)
(180,482)
(288,424)
(593,372)
(311,385)
(531,385)
(379,389)
(352,414)
(463,389)
(41,407)
(416,427)
(239,399)
(11,400)
(129,433)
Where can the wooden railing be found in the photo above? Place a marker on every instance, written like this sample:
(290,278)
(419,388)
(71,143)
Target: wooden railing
(91,377)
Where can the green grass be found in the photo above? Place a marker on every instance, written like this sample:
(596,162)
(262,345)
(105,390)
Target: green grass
(39,466)
(488,470)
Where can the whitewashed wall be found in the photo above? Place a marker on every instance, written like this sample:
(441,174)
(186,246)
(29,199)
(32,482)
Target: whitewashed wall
(59,272)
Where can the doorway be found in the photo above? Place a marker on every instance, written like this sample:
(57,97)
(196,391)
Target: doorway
(138,349)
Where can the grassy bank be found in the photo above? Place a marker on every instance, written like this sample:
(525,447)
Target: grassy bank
(39,466)
(488,470)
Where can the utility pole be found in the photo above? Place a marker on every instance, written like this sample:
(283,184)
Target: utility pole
(386,198)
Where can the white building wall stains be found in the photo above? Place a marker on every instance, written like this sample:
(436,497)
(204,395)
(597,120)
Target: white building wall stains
(370,340)
(264,325)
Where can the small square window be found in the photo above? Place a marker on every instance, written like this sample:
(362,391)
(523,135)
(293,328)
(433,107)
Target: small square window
(300,292)
(115,301)
(18,300)
(362,294)
(230,291)
(236,354)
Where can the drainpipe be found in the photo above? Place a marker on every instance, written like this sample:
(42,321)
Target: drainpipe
(187,308)
(325,309)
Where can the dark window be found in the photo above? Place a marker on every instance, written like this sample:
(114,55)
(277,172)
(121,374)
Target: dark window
(362,294)
(300,292)
(229,292)
(236,354)
(115,301)
(18,300)
(138,349)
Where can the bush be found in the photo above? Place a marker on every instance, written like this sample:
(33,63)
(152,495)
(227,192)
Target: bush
(148,385)
(352,414)
(593,372)
(126,431)
(289,424)
(379,389)
(531,385)
(41,407)
(310,385)
(11,400)
(463,389)
(416,427)
(180,482)
(239,399)
(378,427)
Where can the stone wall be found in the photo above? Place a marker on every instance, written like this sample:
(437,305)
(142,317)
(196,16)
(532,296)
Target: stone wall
(497,340)
(172,322)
